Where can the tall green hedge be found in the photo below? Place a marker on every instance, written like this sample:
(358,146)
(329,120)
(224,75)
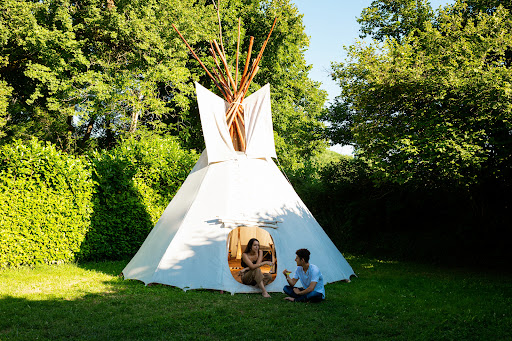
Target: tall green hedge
(56,207)
(442,224)
(133,184)
(45,204)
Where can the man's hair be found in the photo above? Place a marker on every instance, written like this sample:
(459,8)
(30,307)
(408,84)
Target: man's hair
(303,254)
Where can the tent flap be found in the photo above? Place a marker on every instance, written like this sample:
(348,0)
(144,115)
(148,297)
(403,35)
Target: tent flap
(258,124)
(212,109)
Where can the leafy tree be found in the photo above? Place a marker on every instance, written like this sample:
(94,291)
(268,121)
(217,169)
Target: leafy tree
(435,105)
(340,117)
(102,68)
(395,19)
(488,6)
(82,68)
(5,92)
(385,19)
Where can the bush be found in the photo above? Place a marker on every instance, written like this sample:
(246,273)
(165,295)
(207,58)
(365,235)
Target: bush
(56,207)
(133,184)
(45,204)
(441,224)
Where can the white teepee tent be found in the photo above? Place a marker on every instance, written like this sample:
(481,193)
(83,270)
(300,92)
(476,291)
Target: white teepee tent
(190,245)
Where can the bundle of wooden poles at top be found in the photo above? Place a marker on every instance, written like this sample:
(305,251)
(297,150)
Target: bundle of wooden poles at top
(233,91)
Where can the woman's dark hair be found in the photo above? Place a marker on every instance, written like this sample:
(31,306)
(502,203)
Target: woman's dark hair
(303,254)
(249,245)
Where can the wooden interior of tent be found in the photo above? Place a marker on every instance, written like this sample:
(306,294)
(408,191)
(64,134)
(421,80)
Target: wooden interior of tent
(237,241)
(232,88)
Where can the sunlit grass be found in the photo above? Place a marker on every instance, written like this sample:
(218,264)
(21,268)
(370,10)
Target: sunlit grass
(388,300)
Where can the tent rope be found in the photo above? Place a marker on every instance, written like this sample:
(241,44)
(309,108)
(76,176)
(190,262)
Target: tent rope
(282,171)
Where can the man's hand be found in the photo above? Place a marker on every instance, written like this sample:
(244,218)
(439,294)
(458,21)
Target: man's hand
(291,281)
(296,290)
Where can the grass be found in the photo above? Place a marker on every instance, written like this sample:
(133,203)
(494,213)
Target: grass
(388,300)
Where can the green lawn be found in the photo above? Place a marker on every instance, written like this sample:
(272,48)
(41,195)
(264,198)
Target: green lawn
(389,300)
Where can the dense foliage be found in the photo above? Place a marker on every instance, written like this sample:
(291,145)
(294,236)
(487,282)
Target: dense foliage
(56,207)
(45,204)
(134,183)
(428,106)
(403,221)
(104,79)
(435,105)
(394,19)
(95,68)
(82,74)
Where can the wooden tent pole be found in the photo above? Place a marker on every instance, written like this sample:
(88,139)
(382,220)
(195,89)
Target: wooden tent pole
(214,55)
(237,52)
(240,113)
(240,136)
(224,61)
(234,114)
(220,24)
(230,115)
(221,77)
(229,94)
(244,91)
(248,60)
(265,43)
(258,58)
(255,66)
(199,60)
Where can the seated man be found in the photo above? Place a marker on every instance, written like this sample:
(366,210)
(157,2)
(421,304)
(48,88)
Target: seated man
(310,277)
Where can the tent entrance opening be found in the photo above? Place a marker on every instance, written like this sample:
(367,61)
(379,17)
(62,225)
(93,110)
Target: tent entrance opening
(237,242)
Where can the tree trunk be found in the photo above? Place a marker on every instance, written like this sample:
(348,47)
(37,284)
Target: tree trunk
(88,132)
(135,116)
(133,124)
(109,135)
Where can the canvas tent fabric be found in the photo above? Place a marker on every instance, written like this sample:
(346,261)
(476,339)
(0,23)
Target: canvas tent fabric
(258,130)
(188,247)
(215,129)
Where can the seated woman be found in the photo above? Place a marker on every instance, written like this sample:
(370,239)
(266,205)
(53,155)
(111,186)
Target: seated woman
(252,261)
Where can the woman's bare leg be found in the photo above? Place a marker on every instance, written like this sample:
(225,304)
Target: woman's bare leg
(259,281)
(264,292)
